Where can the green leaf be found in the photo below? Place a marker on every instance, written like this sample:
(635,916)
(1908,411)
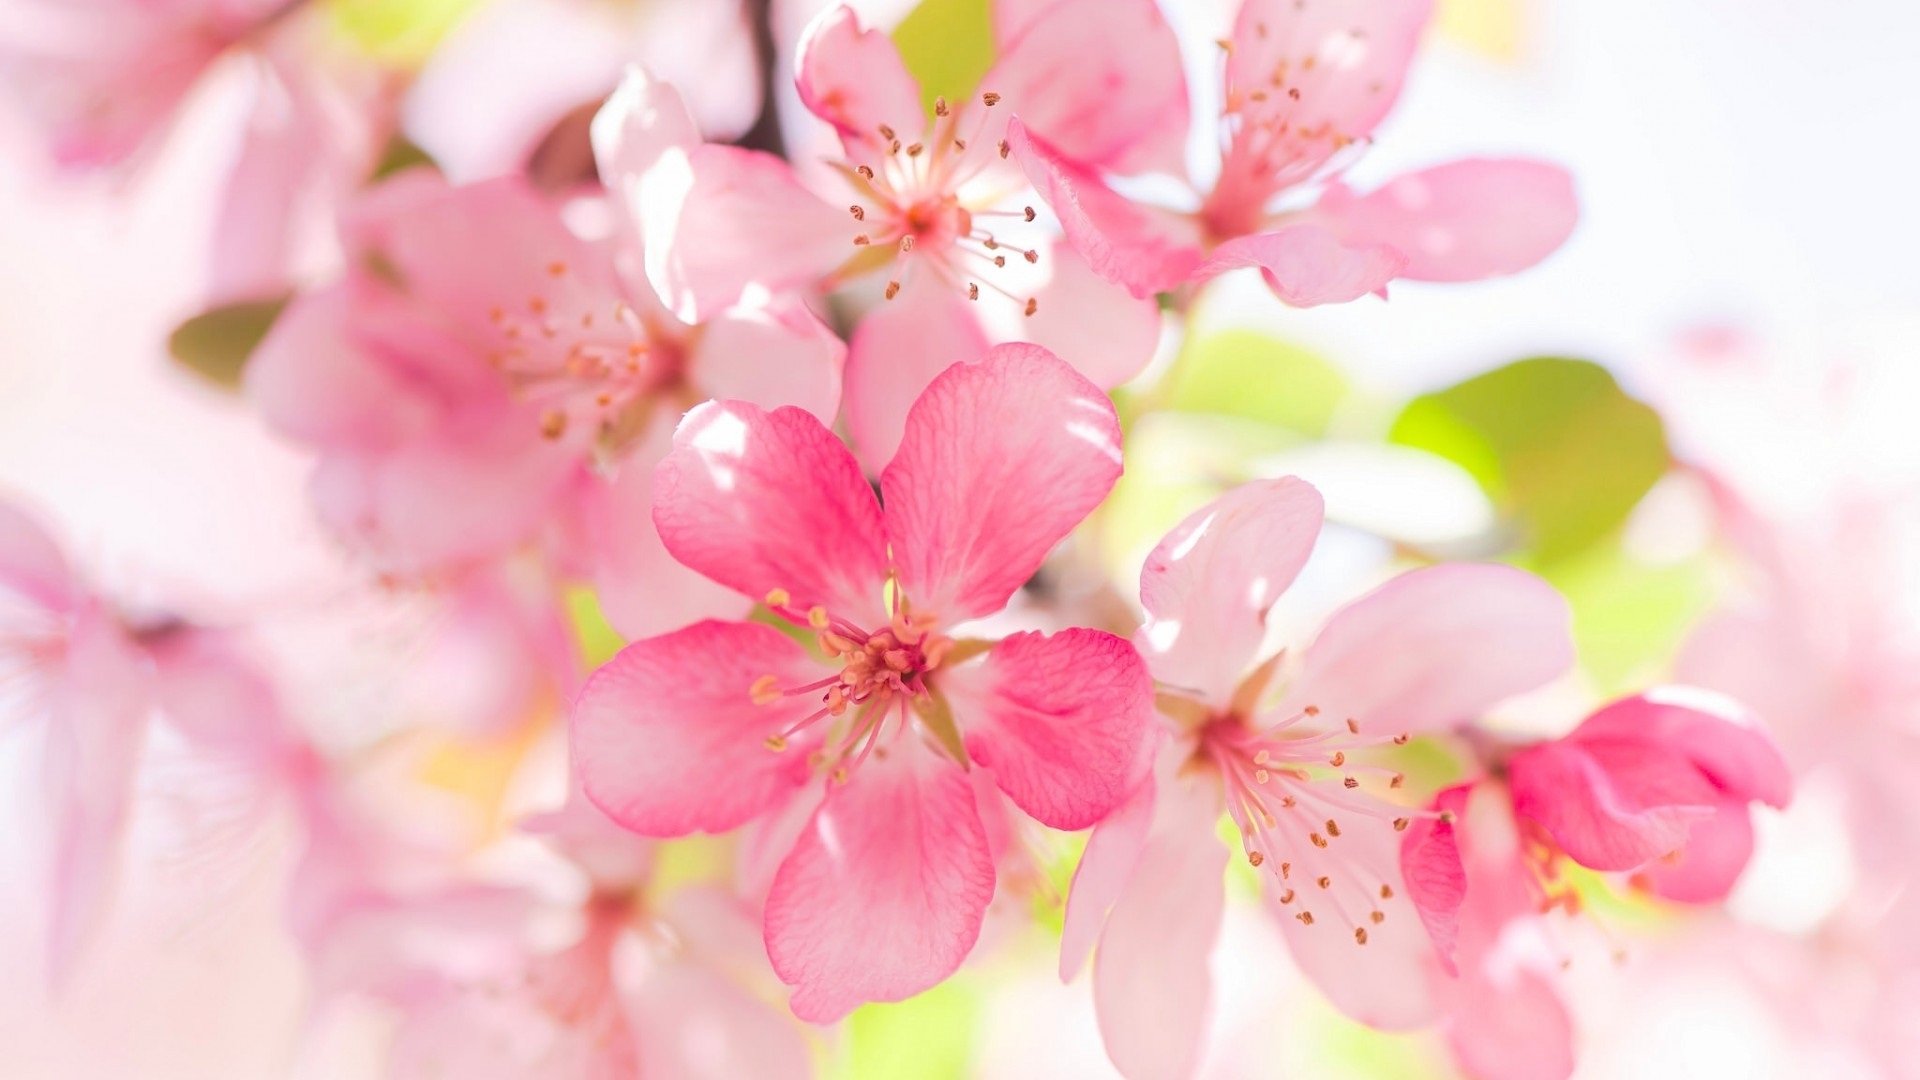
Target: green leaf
(597,638)
(928,1037)
(1631,616)
(1248,374)
(399,32)
(216,344)
(947,46)
(400,155)
(1558,446)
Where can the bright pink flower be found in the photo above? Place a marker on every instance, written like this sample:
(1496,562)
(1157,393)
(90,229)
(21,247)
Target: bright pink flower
(73,664)
(883,891)
(1429,649)
(1305,84)
(105,79)
(1657,783)
(929,205)
(484,375)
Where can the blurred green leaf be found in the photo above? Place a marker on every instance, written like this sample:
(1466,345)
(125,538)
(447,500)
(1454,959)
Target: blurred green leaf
(948,47)
(929,1037)
(1556,443)
(399,32)
(215,344)
(400,155)
(597,638)
(1629,616)
(1248,374)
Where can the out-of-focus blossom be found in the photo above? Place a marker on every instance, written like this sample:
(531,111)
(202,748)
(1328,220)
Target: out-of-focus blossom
(92,680)
(1657,784)
(1316,815)
(103,81)
(883,891)
(928,204)
(513,87)
(485,379)
(1305,85)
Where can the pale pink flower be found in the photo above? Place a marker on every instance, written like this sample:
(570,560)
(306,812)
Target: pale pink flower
(92,680)
(1657,784)
(881,892)
(104,80)
(484,379)
(1429,649)
(1305,85)
(929,205)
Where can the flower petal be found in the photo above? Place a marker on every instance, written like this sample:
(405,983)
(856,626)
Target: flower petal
(1144,248)
(1101,80)
(1152,990)
(31,563)
(640,123)
(1510,1026)
(1611,804)
(1462,221)
(770,356)
(1063,722)
(1716,852)
(1000,461)
(1113,850)
(854,79)
(666,737)
(896,351)
(1714,732)
(1307,265)
(1207,586)
(1436,647)
(885,893)
(761,500)
(1347,62)
(1103,330)
(1436,878)
(689,1022)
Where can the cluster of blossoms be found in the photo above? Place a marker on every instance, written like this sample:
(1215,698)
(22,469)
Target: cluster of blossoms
(819,434)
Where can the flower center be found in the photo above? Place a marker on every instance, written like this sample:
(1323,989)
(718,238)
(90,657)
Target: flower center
(911,204)
(1289,789)
(883,674)
(593,368)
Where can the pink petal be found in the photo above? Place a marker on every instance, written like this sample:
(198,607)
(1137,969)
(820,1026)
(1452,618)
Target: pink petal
(1307,265)
(641,123)
(668,741)
(854,79)
(1101,81)
(884,895)
(1385,982)
(1103,330)
(1061,721)
(1611,804)
(1207,586)
(31,563)
(1346,60)
(643,590)
(1714,732)
(1105,867)
(1146,249)
(761,500)
(719,219)
(896,351)
(1510,1026)
(314,378)
(1705,870)
(771,357)
(1152,991)
(1435,877)
(257,220)
(1000,461)
(1462,221)
(689,1022)
(98,726)
(1436,647)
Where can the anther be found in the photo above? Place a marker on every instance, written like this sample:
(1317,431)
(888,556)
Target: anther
(1311,710)
(1318,840)
(817,617)
(1305,917)
(1338,759)
(895,148)
(990,98)
(1386,892)
(859,213)
(1032,256)
(1032,305)
(862,240)
(1349,783)
(1446,817)
(893,289)
(1398,779)
(779,598)
(557,269)
(765,690)
(1400,824)
(1255,858)
(553,423)
(1360,935)
(885,132)
(1261,776)
(1333,827)
(1324,882)
(973,291)
(999,260)
(1353,725)
(1285,869)
(1377,917)
(906,243)
(939,106)
(914,150)
(775,743)
(1287,897)
(865,172)
(1401,739)
(1005,149)
(1030,213)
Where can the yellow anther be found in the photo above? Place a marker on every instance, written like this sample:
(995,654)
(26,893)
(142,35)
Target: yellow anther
(766,690)
(775,743)
(779,598)
(1261,776)
(817,617)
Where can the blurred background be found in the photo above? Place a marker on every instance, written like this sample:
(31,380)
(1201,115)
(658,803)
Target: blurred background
(1743,266)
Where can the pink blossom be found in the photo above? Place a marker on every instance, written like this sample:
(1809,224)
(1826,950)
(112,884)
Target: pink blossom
(1316,813)
(881,892)
(484,379)
(928,204)
(92,680)
(1305,85)
(1657,783)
